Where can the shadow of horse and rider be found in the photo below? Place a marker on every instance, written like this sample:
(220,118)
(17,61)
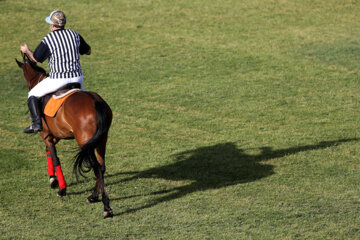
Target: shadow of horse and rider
(212,167)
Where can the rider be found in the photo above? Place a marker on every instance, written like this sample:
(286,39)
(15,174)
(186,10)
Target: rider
(63,48)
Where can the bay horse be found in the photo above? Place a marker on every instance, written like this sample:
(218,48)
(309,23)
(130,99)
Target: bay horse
(85,117)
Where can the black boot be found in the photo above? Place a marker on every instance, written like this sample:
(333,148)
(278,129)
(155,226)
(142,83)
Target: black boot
(36,126)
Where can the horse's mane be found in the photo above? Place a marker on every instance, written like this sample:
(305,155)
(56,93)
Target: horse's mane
(36,67)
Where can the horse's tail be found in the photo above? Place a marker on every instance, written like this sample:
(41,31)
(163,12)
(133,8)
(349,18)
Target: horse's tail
(85,159)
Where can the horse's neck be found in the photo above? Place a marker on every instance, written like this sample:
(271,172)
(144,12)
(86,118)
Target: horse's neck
(35,79)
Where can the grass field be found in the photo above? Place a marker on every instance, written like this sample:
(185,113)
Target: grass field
(232,120)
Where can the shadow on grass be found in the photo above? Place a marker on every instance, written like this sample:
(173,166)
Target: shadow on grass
(218,166)
(215,167)
(212,167)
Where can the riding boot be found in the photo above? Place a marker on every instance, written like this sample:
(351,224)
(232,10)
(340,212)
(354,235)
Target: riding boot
(34,107)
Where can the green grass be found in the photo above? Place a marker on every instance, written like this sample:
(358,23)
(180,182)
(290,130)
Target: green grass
(232,120)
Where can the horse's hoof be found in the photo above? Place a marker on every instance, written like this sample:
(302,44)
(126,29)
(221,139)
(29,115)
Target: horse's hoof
(53,182)
(92,199)
(108,214)
(61,192)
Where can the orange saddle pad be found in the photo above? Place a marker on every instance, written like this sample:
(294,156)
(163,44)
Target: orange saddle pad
(54,104)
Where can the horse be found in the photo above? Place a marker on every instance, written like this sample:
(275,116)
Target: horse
(85,117)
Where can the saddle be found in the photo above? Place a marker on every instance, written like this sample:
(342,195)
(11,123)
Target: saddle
(53,101)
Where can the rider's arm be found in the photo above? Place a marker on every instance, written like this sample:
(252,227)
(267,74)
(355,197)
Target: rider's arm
(84,47)
(42,52)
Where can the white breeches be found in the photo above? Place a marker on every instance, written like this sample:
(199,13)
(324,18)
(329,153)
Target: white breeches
(49,85)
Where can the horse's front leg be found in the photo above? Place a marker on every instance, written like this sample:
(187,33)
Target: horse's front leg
(54,163)
(51,170)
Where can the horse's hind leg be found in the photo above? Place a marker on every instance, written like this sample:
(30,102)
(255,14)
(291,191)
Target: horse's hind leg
(105,197)
(99,170)
(94,197)
(101,149)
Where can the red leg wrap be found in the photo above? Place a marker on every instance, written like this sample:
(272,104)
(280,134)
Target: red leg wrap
(51,169)
(60,177)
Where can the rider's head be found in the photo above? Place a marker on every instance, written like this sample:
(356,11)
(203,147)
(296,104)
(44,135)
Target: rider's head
(56,19)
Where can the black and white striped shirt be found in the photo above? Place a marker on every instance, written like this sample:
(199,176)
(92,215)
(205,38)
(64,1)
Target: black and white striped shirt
(62,48)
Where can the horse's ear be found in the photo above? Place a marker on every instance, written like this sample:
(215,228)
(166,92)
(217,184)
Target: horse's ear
(23,55)
(20,64)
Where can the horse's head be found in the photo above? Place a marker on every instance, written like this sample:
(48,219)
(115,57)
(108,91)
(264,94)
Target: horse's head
(33,74)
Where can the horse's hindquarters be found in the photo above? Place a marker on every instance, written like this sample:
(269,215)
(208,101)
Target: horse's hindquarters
(76,118)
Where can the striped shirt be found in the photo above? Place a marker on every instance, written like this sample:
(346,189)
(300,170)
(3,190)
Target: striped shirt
(62,48)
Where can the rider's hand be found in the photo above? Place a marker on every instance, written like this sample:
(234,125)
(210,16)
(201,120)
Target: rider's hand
(24,48)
